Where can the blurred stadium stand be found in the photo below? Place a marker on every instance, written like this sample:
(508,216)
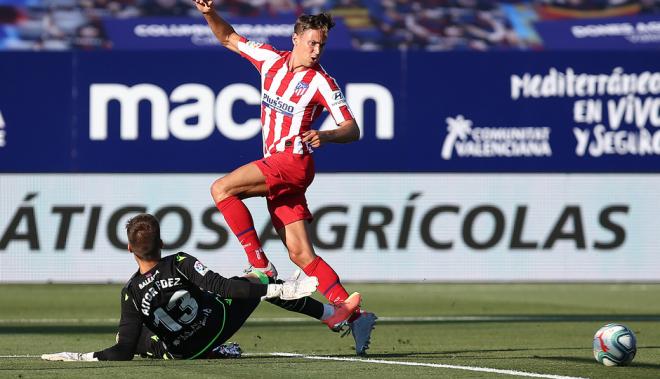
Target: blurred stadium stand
(431,25)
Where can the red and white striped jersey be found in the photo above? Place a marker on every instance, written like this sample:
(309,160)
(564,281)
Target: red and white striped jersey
(291,102)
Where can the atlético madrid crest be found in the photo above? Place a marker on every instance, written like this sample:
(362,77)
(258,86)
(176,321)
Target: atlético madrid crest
(301,88)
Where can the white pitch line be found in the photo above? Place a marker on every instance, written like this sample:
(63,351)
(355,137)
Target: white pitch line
(434,365)
(20,356)
(380,361)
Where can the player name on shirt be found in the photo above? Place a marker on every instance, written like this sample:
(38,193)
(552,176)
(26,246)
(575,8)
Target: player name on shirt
(152,292)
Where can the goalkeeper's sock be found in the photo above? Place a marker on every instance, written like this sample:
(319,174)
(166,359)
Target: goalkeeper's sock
(240,222)
(328,310)
(306,305)
(329,284)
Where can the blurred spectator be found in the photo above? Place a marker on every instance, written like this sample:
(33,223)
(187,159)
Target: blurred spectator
(167,8)
(91,36)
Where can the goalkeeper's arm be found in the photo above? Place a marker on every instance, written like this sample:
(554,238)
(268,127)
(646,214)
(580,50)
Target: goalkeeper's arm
(130,327)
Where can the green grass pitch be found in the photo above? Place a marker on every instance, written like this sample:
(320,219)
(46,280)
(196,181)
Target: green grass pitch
(424,331)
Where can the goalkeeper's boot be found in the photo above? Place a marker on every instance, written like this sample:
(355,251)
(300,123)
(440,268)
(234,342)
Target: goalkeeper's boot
(343,311)
(361,329)
(269,270)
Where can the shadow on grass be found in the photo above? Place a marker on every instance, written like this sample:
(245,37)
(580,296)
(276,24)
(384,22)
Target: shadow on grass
(591,360)
(58,329)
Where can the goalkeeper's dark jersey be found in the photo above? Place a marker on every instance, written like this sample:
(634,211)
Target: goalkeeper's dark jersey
(182,302)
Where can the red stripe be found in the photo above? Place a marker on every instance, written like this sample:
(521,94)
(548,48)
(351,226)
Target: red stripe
(308,117)
(316,114)
(271,129)
(263,122)
(603,346)
(286,127)
(271,73)
(345,112)
(331,81)
(254,62)
(284,84)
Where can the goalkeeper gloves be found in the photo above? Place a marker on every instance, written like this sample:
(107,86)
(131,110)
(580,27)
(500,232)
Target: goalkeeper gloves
(293,288)
(69,357)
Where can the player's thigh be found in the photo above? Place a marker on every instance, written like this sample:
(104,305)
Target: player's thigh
(149,345)
(236,315)
(245,181)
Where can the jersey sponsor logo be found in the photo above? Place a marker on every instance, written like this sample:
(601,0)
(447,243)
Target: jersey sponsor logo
(301,88)
(277,104)
(338,99)
(200,268)
(254,44)
(149,280)
(490,142)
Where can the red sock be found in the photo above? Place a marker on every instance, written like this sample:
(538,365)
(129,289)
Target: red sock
(329,284)
(240,222)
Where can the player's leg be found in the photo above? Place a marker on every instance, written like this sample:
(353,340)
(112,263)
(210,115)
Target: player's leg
(346,308)
(289,213)
(228,192)
(295,235)
(237,311)
(150,346)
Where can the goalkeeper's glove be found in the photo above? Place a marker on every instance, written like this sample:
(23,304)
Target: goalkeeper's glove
(293,288)
(66,356)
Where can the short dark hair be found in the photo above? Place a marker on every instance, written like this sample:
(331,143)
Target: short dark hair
(143,233)
(321,21)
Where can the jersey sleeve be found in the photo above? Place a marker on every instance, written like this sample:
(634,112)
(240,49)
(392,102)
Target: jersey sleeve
(200,275)
(257,53)
(329,94)
(130,327)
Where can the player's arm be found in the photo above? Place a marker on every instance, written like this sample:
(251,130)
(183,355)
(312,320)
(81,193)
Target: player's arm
(235,288)
(330,96)
(222,30)
(347,131)
(130,325)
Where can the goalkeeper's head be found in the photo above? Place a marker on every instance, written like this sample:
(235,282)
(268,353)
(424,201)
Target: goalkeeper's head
(144,240)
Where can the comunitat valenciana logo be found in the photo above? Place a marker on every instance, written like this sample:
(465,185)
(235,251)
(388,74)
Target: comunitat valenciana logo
(3,140)
(469,140)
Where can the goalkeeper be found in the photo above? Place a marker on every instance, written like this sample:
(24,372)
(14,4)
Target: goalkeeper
(176,308)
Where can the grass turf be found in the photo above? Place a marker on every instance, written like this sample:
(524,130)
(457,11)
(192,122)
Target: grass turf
(551,333)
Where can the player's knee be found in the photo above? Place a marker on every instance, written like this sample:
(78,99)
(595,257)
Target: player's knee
(219,189)
(301,256)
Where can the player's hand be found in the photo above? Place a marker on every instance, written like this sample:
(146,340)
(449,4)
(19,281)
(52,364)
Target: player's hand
(293,288)
(66,356)
(204,6)
(313,137)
